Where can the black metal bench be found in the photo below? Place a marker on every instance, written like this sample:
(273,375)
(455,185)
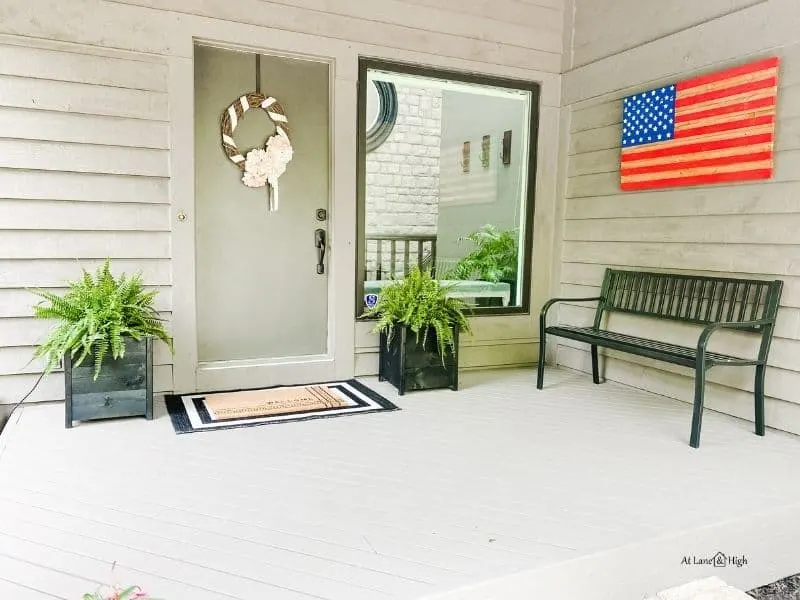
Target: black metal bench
(715,303)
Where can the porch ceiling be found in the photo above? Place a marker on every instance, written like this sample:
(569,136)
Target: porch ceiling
(455,489)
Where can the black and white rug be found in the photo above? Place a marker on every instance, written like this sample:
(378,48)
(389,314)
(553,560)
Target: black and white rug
(213,411)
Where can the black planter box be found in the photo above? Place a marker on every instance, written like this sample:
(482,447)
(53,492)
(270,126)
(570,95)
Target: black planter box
(124,387)
(408,366)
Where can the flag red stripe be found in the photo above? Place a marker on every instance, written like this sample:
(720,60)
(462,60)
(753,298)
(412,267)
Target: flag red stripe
(754,67)
(698,147)
(699,179)
(725,110)
(717,94)
(740,124)
(704,162)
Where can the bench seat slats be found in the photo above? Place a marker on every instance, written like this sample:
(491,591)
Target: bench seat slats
(673,353)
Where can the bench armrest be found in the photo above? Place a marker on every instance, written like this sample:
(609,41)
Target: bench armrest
(549,303)
(702,343)
(552,301)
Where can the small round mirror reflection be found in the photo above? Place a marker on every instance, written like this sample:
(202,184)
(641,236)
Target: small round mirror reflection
(381,113)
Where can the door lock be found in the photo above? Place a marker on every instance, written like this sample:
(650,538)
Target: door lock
(319,244)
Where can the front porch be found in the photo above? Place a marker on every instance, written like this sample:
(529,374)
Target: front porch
(496,491)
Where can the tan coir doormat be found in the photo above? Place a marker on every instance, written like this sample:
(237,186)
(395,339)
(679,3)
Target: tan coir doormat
(243,408)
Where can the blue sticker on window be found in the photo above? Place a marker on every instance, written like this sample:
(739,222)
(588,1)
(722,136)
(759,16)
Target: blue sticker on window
(370,300)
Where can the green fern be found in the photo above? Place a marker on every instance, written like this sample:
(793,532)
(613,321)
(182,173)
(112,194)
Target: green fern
(494,257)
(421,303)
(95,316)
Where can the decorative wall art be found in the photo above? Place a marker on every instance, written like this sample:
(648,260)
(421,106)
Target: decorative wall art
(717,128)
(507,147)
(262,166)
(486,147)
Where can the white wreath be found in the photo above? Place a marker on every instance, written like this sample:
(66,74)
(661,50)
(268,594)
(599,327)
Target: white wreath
(262,166)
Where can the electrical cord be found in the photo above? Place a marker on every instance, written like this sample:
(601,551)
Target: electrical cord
(26,396)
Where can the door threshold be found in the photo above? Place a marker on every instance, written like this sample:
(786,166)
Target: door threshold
(248,363)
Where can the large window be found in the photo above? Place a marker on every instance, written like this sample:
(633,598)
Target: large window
(446,179)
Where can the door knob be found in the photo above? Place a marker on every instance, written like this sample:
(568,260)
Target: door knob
(319,244)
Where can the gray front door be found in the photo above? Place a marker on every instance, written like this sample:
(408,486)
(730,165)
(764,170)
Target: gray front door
(261,304)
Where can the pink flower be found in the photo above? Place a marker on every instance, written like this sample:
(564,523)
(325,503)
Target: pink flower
(118,593)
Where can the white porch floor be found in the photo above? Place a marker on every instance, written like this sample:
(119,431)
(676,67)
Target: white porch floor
(575,489)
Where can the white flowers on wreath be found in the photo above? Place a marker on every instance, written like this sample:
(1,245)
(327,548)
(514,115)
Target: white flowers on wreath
(265,165)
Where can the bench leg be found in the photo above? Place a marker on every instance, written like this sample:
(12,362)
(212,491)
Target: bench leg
(540,369)
(759,393)
(699,393)
(595,365)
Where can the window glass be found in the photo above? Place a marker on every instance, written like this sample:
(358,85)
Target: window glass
(445,175)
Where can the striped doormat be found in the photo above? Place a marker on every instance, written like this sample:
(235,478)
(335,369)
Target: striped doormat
(212,411)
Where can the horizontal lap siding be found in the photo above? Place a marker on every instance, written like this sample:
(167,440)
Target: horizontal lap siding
(84,175)
(513,33)
(594,41)
(745,230)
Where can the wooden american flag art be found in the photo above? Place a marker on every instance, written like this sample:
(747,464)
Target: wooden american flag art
(717,128)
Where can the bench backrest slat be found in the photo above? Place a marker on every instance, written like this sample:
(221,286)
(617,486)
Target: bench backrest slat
(688,298)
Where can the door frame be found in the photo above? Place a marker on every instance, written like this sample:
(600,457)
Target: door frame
(339,361)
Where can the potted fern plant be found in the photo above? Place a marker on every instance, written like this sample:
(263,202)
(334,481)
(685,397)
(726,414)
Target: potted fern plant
(419,326)
(494,257)
(104,332)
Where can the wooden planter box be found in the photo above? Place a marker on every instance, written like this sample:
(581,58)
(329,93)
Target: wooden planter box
(124,387)
(407,366)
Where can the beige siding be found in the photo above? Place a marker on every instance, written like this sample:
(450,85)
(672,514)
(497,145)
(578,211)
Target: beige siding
(86,120)
(518,33)
(749,230)
(606,27)
(84,172)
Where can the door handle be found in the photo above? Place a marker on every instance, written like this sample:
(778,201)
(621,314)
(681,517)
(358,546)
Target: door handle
(319,244)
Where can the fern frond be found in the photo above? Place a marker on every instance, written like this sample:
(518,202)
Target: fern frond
(494,258)
(95,316)
(100,351)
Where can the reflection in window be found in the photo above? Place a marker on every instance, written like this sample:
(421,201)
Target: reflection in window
(447,188)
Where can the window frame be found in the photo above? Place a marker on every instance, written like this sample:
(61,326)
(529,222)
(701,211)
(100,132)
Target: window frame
(402,68)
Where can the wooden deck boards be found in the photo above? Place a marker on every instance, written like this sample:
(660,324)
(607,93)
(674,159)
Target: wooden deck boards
(457,488)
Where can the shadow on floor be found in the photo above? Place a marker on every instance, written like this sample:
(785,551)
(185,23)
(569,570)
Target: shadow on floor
(4,412)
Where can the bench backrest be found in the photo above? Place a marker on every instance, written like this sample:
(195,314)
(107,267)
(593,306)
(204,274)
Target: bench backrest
(689,298)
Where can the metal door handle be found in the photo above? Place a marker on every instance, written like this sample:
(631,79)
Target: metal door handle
(319,243)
